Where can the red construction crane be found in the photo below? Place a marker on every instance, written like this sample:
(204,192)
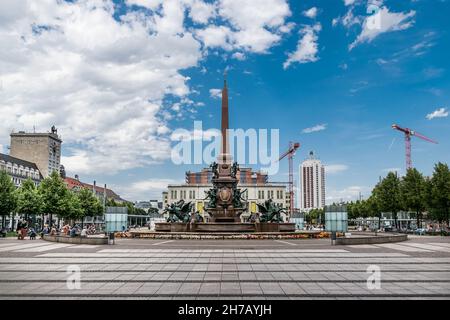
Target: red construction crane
(293,146)
(408,133)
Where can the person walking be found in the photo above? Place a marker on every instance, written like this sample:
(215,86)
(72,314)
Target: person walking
(19,230)
(24,230)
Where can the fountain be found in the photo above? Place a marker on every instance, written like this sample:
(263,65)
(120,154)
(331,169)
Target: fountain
(225,200)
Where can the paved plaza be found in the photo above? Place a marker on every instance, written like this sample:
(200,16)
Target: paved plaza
(225,269)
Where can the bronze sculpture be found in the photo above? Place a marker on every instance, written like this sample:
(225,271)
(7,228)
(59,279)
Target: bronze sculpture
(179,211)
(270,212)
(212,196)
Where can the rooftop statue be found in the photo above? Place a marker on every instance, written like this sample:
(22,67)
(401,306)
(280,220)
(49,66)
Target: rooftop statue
(234,169)
(215,170)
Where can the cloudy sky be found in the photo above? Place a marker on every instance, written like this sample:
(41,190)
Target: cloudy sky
(118,77)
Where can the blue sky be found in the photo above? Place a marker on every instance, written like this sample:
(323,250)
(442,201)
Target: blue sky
(117,108)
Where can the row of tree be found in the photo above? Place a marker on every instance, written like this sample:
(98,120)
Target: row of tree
(412,193)
(51,197)
(132,210)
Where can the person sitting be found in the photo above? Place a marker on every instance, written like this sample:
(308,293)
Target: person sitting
(66,230)
(45,230)
(73,232)
(53,231)
(84,233)
(32,234)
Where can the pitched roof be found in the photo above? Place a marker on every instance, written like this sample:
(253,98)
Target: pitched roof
(71,183)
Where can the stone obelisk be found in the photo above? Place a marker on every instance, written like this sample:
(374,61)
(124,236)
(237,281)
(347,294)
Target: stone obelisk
(225,181)
(225,156)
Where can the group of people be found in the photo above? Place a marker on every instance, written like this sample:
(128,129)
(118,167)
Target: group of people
(71,231)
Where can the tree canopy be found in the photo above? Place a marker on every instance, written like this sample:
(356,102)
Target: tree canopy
(8,197)
(29,199)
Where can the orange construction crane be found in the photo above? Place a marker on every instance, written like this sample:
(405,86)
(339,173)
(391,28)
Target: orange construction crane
(408,133)
(293,146)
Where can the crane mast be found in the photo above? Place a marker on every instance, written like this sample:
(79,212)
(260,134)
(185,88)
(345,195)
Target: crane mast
(293,146)
(408,134)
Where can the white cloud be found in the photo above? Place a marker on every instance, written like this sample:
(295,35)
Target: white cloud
(439,113)
(316,128)
(335,168)
(255,23)
(238,56)
(349,2)
(381,22)
(201,12)
(348,20)
(307,47)
(149,4)
(103,80)
(216,36)
(215,93)
(252,25)
(347,194)
(184,135)
(311,13)
(144,189)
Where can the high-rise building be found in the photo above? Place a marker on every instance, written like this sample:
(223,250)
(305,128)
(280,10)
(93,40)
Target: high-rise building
(312,184)
(43,149)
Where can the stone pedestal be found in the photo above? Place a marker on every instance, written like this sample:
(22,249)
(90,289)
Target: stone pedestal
(223,227)
(171,227)
(275,227)
(162,227)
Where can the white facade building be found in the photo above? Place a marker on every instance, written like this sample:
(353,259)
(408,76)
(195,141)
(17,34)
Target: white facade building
(312,184)
(20,170)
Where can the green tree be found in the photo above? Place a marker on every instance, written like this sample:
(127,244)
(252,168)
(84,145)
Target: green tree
(373,204)
(362,208)
(111,203)
(90,205)
(413,193)
(8,197)
(317,215)
(72,208)
(439,196)
(352,211)
(388,195)
(131,208)
(29,200)
(56,197)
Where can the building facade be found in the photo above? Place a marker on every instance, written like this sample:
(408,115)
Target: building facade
(102,193)
(256,183)
(312,184)
(20,170)
(43,149)
(244,175)
(147,205)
